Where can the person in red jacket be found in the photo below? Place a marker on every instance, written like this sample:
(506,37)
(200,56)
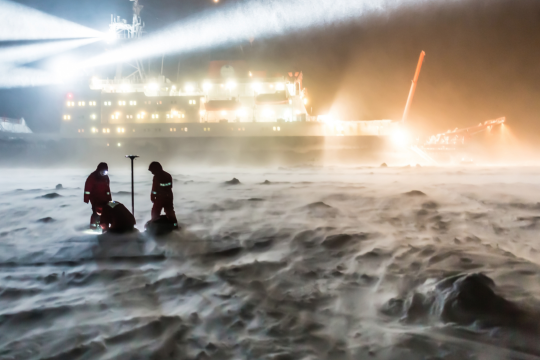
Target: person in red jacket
(162,195)
(97,191)
(116,218)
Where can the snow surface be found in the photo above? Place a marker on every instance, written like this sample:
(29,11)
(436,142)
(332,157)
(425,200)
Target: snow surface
(303,266)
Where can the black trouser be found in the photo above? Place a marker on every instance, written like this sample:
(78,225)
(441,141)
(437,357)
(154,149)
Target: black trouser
(167,205)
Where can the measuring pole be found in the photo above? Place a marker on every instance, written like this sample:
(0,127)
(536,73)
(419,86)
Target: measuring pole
(413,86)
(132,157)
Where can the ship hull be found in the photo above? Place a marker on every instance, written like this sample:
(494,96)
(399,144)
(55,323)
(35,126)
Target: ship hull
(197,150)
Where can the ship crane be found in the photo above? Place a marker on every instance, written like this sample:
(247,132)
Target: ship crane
(452,138)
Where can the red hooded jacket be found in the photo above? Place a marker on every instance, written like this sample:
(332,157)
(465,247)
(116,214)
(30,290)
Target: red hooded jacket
(96,188)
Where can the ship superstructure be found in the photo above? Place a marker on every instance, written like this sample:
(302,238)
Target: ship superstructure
(233,99)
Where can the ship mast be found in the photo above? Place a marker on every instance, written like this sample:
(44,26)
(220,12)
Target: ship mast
(120,29)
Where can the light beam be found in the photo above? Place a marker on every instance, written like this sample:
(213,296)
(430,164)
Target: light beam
(20,22)
(25,77)
(25,54)
(241,21)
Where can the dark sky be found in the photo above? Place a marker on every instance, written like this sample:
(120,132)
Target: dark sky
(482,62)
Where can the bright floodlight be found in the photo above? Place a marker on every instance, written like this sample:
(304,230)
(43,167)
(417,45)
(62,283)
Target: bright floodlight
(280,86)
(153,86)
(231,85)
(20,22)
(207,86)
(189,88)
(110,36)
(400,137)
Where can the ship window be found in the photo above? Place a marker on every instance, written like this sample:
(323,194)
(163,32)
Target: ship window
(67,117)
(183,116)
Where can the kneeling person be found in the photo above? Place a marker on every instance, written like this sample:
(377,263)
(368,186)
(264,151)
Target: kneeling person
(116,218)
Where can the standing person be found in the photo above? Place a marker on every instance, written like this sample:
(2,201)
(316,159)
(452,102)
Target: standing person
(116,218)
(97,191)
(162,195)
